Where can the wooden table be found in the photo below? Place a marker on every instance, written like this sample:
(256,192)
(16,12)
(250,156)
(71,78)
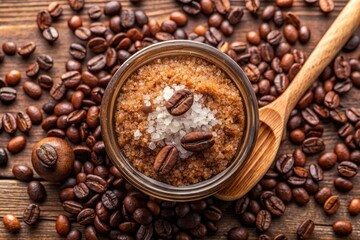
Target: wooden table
(17,23)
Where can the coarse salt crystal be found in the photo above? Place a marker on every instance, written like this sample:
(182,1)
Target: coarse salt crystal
(137,134)
(152,145)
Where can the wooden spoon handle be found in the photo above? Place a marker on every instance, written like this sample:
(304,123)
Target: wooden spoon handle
(330,44)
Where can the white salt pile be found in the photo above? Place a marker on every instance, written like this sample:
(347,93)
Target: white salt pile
(165,128)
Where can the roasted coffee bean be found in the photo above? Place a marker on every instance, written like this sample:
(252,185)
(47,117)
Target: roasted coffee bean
(50,34)
(43,19)
(9,48)
(142,216)
(26,49)
(197,141)
(253,38)
(326,6)
(45,81)
(55,9)
(72,207)
(237,233)
(7,94)
(9,123)
(86,216)
(76,5)
(264,30)
(234,15)
(36,191)
(31,214)
(352,43)
(74,234)
(296,181)
(342,228)
(81,191)
(274,37)
(215,20)
(32,89)
(94,12)
(3,158)
(83,33)
(193,8)
(92,117)
(213,36)
(268,13)
(73,65)
(23,122)
(66,194)
(283,191)
(90,233)
(290,33)
(96,63)
(342,152)
(166,159)
(252,5)
(97,45)
(347,169)
(241,205)
(301,196)
(32,70)
(322,195)
(281,83)
(127,18)
(180,102)
(16,144)
(12,77)
(263,220)
(305,229)
(311,186)
(96,183)
(331,205)
(342,184)
(62,225)
(275,206)
(252,72)
(313,145)
(248,219)
(316,172)
(342,68)
(189,221)
(11,223)
(34,114)
(354,206)
(284,163)
(77,51)
(327,160)
(222,6)
(110,200)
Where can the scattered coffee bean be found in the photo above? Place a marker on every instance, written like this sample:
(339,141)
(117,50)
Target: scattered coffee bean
(331,205)
(342,228)
(166,159)
(62,225)
(16,144)
(31,214)
(11,223)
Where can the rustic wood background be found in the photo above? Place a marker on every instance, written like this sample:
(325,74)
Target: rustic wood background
(17,23)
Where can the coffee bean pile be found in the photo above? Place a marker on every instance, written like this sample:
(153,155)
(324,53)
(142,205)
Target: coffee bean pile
(99,198)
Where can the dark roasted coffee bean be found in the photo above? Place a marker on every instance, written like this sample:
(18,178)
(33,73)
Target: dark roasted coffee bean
(222,6)
(81,191)
(23,122)
(326,6)
(9,48)
(74,22)
(16,144)
(36,191)
(278,18)
(213,36)
(331,205)
(112,8)
(43,20)
(83,33)
(55,9)
(342,67)
(281,83)
(142,216)
(316,172)
(237,233)
(347,169)
(96,183)
(197,141)
(284,163)
(90,233)
(9,123)
(268,13)
(193,8)
(145,232)
(45,81)
(127,18)
(166,159)
(290,33)
(189,221)
(342,228)
(74,234)
(62,225)
(31,214)
(78,51)
(311,186)
(296,181)
(313,145)
(76,5)
(248,219)
(72,207)
(252,5)
(34,114)
(342,184)
(352,43)
(180,102)
(322,195)
(305,229)
(252,72)
(263,220)
(97,45)
(26,49)
(274,205)
(50,34)
(234,15)
(274,37)
(304,34)
(95,12)
(96,63)
(86,216)
(110,200)
(32,70)
(7,94)
(32,89)
(3,158)
(300,195)
(327,160)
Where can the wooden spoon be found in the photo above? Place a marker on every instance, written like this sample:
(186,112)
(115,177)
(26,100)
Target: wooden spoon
(274,116)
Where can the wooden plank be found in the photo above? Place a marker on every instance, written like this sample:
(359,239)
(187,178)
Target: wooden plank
(17,23)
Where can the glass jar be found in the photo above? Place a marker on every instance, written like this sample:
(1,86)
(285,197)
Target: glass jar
(151,186)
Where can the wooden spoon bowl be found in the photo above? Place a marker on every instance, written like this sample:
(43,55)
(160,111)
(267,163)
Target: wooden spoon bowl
(273,117)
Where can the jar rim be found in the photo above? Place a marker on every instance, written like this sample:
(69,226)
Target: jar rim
(149,185)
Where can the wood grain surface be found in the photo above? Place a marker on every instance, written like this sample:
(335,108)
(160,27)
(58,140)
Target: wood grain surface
(17,23)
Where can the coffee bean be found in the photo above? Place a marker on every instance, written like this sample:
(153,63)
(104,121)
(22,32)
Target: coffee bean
(241,205)
(31,214)
(74,235)
(16,144)
(234,15)
(237,233)
(72,207)
(347,169)
(290,33)
(275,206)
(43,19)
(341,67)
(7,94)
(326,6)
(193,8)
(166,159)
(12,77)
(11,223)
(76,5)
(77,51)
(9,123)
(274,37)
(284,163)
(86,216)
(304,34)
(316,172)
(62,225)
(96,183)
(96,63)
(253,38)
(189,221)
(21,172)
(331,205)
(213,36)
(252,5)
(313,145)
(142,216)
(26,49)
(50,34)
(281,83)
(322,195)
(263,220)
(180,102)
(32,89)
(342,184)
(9,48)
(342,228)
(45,81)
(36,191)
(311,186)
(327,160)
(110,200)
(268,13)
(55,9)
(97,45)
(23,122)
(127,18)
(352,43)
(197,141)
(301,196)
(34,114)
(32,70)
(305,229)
(3,157)
(354,206)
